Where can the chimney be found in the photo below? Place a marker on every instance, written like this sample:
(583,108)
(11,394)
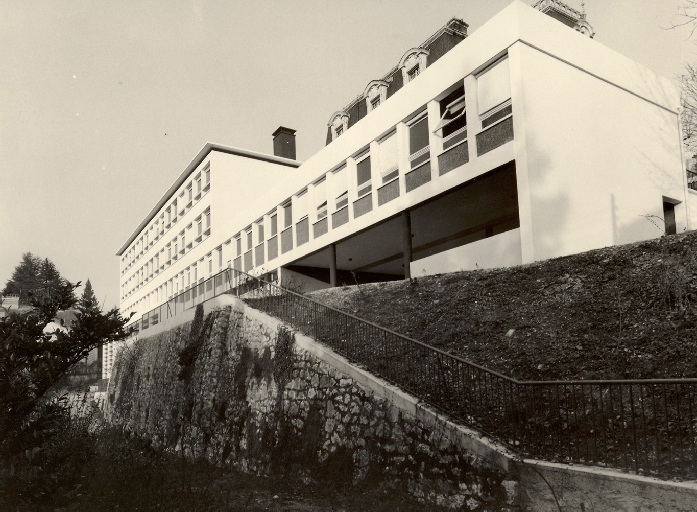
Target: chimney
(284,142)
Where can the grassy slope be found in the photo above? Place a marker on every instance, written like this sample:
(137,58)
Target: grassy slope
(618,312)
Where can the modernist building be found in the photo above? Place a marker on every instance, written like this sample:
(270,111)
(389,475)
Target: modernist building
(523,141)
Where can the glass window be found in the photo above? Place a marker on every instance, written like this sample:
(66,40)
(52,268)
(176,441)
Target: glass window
(238,245)
(494,86)
(340,188)
(375,102)
(287,214)
(388,159)
(260,232)
(249,239)
(413,72)
(321,199)
(418,135)
(274,225)
(363,174)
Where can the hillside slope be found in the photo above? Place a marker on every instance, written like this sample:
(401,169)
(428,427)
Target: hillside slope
(619,312)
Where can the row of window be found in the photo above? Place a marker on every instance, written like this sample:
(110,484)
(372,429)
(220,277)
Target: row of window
(187,239)
(259,242)
(189,194)
(380,161)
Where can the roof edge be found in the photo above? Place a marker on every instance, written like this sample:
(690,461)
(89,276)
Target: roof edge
(207,148)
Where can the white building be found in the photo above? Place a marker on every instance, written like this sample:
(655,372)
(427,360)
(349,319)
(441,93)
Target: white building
(523,141)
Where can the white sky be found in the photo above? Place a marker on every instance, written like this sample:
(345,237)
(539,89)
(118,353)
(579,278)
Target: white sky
(103,104)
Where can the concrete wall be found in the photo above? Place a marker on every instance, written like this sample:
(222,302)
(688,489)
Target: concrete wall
(597,159)
(501,250)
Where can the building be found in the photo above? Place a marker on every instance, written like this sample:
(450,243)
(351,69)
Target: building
(522,141)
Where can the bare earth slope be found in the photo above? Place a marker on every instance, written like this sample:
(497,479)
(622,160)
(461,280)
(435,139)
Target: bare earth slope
(621,312)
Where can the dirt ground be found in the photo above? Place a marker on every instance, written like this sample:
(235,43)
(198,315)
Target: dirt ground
(618,312)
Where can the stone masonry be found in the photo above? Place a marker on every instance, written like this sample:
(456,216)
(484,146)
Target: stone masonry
(252,399)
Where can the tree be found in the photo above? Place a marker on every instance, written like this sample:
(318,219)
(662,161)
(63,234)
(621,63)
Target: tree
(24,278)
(33,361)
(34,277)
(88,300)
(687,13)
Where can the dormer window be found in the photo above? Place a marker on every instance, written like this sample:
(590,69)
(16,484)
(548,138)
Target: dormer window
(338,124)
(375,94)
(412,63)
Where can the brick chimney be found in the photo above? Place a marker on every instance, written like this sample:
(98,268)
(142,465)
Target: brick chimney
(284,142)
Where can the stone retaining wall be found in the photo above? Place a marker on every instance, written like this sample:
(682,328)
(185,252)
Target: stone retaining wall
(257,400)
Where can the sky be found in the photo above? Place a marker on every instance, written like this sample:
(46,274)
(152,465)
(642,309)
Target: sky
(104,104)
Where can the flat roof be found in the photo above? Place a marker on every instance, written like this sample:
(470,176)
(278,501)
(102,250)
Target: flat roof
(210,146)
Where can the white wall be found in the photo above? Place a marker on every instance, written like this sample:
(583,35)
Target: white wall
(502,250)
(598,159)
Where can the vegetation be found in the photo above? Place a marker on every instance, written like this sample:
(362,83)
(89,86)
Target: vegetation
(34,278)
(618,312)
(35,353)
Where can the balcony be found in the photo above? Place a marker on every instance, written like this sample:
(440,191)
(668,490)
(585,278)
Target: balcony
(419,176)
(286,240)
(321,227)
(259,254)
(388,192)
(273,247)
(302,231)
(362,205)
(340,217)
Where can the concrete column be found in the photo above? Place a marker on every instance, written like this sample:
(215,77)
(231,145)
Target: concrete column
(375,180)
(522,169)
(406,243)
(351,180)
(402,155)
(332,265)
(474,125)
(434,141)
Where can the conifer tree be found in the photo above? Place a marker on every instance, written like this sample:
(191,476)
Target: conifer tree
(88,300)
(24,278)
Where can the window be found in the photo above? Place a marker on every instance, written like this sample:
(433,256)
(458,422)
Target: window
(220,257)
(418,142)
(249,239)
(189,193)
(206,177)
(301,206)
(375,93)
(338,124)
(412,63)
(340,188)
(238,245)
(363,176)
(388,159)
(260,231)
(453,121)
(494,88)
(169,215)
(287,214)
(207,213)
(321,199)
(274,225)
(199,223)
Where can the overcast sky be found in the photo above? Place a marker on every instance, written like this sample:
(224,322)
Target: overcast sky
(103,104)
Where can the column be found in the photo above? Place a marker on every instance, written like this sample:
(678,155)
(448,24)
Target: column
(435,142)
(406,243)
(402,155)
(332,265)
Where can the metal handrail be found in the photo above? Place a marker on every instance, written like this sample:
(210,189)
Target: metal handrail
(645,426)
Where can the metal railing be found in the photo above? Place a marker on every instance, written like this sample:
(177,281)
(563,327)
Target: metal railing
(644,426)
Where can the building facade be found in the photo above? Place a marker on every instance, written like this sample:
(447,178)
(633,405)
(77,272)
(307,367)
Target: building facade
(523,141)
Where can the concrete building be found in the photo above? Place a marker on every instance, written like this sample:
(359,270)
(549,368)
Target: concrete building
(523,141)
